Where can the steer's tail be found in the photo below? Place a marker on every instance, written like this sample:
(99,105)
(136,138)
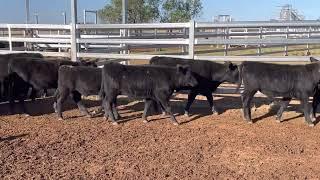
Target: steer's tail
(154,60)
(240,67)
(101,92)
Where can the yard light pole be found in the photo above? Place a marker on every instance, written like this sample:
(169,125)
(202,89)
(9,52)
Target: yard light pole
(123,32)
(74,32)
(64,17)
(36,18)
(27,8)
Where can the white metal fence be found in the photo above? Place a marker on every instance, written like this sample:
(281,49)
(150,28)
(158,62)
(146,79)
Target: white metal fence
(116,40)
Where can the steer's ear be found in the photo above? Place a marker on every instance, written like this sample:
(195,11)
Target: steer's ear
(183,68)
(232,66)
(227,62)
(312,59)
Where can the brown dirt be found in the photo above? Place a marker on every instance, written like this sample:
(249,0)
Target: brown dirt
(204,146)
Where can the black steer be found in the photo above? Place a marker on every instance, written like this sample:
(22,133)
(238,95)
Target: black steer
(77,81)
(274,80)
(208,74)
(152,83)
(41,74)
(284,102)
(4,75)
(316,96)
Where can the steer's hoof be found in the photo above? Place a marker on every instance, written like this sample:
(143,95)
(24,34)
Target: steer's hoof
(163,114)
(250,122)
(105,118)
(186,114)
(60,119)
(145,121)
(27,115)
(55,107)
(278,119)
(114,123)
(215,113)
(176,124)
(311,125)
(88,116)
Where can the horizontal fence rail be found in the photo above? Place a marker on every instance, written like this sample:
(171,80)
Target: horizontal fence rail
(117,41)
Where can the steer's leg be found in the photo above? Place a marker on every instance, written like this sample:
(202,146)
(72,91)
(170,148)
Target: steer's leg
(76,96)
(114,109)
(191,97)
(315,102)
(246,100)
(22,105)
(1,91)
(147,104)
(103,105)
(306,110)
(110,113)
(11,95)
(56,95)
(45,93)
(63,95)
(283,105)
(164,98)
(33,94)
(210,101)
(108,104)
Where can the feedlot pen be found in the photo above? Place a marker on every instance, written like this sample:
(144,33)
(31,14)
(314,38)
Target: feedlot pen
(204,146)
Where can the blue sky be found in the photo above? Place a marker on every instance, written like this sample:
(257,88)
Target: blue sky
(12,11)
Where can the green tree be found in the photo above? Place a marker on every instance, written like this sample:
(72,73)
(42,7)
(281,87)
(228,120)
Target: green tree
(139,11)
(144,11)
(180,10)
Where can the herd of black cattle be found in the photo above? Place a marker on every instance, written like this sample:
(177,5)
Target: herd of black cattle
(23,75)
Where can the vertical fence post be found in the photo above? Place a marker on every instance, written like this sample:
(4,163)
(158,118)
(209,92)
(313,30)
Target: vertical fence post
(260,37)
(73,29)
(85,32)
(84,16)
(123,32)
(226,45)
(191,39)
(96,17)
(184,47)
(286,46)
(10,37)
(308,46)
(155,37)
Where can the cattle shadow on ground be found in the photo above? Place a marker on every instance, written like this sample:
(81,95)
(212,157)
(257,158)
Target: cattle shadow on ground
(43,106)
(11,138)
(272,111)
(199,108)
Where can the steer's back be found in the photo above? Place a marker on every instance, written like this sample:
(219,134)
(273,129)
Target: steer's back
(38,72)
(86,80)
(202,68)
(277,78)
(137,81)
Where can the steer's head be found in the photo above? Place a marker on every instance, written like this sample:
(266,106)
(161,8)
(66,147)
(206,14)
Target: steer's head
(230,72)
(185,77)
(88,63)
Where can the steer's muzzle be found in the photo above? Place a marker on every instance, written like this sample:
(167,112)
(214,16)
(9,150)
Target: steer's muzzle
(193,82)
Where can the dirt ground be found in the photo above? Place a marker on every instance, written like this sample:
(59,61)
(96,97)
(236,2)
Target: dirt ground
(204,146)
